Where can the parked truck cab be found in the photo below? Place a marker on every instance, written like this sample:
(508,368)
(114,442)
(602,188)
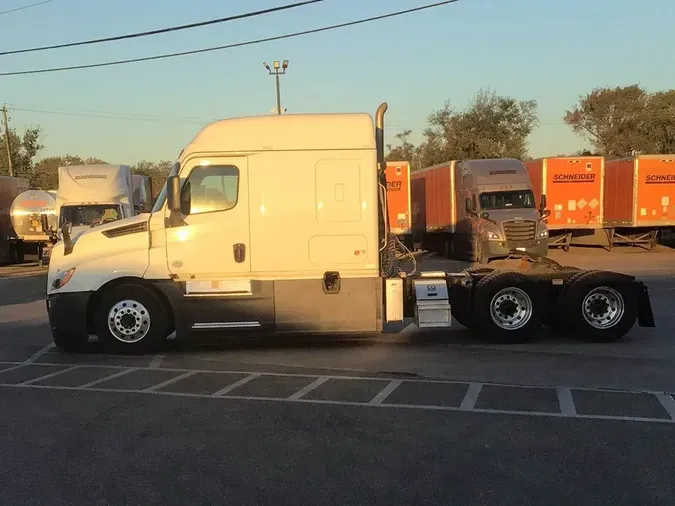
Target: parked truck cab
(277,225)
(500,213)
(90,195)
(478,210)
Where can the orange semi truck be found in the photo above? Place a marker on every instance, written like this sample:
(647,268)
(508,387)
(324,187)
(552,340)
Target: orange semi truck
(398,200)
(575,192)
(640,199)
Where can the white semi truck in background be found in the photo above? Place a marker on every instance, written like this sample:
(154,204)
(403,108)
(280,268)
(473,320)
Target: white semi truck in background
(89,195)
(278,225)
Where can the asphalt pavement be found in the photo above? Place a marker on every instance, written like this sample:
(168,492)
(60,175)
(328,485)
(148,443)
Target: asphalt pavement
(423,418)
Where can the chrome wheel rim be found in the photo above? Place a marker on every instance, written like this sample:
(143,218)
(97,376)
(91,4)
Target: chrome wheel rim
(129,321)
(603,307)
(511,308)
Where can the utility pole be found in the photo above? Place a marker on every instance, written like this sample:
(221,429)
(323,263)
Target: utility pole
(279,70)
(7,142)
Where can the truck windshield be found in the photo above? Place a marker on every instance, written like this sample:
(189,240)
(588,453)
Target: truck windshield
(86,215)
(512,199)
(161,198)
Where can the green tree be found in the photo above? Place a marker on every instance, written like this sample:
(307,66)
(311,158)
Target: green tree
(616,121)
(24,148)
(660,122)
(405,151)
(492,126)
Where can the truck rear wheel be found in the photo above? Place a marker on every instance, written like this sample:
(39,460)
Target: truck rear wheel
(507,308)
(130,318)
(598,306)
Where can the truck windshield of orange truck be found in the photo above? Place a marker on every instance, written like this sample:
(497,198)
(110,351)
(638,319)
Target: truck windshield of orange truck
(512,199)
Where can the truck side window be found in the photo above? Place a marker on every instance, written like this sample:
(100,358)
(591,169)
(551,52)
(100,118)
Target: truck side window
(213,188)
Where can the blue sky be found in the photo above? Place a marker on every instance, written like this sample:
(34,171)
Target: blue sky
(548,50)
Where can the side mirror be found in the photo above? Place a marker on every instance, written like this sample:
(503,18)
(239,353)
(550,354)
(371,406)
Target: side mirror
(485,215)
(545,213)
(173,194)
(542,203)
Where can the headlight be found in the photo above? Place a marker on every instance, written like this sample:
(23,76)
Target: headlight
(62,278)
(543,233)
(492,236)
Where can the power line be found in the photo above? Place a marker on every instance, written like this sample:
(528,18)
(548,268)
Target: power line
(163,30)
(230,46)
(136,116)
(16,9)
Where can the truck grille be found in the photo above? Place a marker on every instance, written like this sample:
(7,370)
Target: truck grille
(520,234)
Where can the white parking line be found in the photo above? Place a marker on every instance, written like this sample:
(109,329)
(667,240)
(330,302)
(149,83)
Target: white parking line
(50,375)
(35,356)
(566,401)
(106,378)
(425,407)
(668,403)
(379,378)
(170,381)
(385,392)
(308,388)
(472,393)
(39,353)
(236,384)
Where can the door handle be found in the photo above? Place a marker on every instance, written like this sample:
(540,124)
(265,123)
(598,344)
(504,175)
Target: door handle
(239,251)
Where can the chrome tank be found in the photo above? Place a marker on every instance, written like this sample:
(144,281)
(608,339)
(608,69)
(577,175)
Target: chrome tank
(27,212)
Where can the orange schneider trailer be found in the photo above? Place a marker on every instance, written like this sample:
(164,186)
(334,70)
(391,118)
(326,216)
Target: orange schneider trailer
(574,194)
(640,198)
(398,200)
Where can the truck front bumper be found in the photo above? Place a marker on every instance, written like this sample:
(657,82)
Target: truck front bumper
(496,249)
(68,313)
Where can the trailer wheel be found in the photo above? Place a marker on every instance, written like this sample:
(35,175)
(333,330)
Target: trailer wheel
(511,311)
(598,306)
(130,318)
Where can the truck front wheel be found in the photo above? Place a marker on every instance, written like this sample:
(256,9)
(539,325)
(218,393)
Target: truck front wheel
(130,318)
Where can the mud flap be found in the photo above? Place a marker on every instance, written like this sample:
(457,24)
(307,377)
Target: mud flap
(645,314)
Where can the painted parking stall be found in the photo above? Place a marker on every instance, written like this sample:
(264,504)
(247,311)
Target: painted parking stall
(366,391)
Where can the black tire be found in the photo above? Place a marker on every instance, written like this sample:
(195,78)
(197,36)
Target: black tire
(460,305)
(69,343)
(559,322)
(484,321)
(149,314)
(612,292)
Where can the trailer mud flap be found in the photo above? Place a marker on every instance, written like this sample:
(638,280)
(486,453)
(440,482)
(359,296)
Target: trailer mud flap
(645,314)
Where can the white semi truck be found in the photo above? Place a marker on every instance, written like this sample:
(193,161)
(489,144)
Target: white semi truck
(278,225)
(90,195)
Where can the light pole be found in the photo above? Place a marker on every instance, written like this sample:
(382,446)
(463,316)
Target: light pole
(279,69)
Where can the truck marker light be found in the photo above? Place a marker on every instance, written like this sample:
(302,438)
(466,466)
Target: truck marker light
(63,278)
